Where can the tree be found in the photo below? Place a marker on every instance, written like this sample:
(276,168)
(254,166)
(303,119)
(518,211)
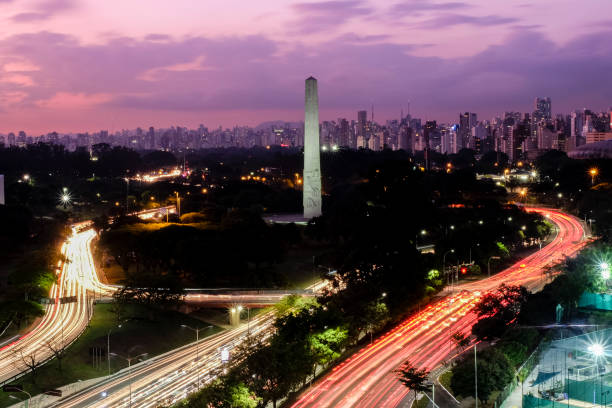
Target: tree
(461,340)
(412,377)
(224,393)
(240,396)
(58,349)
(505,303)
(274,370)
(327,346)
(514,351)
(26,360)
(494,373)
(376,315)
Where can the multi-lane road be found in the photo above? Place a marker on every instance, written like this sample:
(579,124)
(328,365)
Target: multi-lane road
(367,378)
(364,380)
(62,322)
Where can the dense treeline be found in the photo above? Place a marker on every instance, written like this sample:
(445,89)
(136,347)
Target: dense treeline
(207,249)
(30,250)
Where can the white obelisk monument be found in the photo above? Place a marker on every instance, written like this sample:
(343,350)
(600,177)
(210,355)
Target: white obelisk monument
(312,160)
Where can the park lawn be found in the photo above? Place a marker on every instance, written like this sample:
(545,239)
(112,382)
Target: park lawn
(445,380)
(422,403)
(137,335)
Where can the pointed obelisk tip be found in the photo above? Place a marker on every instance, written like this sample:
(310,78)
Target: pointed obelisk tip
(311,78)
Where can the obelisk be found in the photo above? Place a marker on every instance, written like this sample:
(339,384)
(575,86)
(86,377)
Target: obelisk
(312,160)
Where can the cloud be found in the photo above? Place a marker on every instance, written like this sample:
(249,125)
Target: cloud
(251,74)
(325,16)
(415,6)
(355,38)
(450,20)
(157,37)
(44,11)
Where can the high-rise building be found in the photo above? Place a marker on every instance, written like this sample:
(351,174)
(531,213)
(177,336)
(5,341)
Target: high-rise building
(428,130)
(362,124)
(542,110)
(345,133)
(467,121)
(312,153)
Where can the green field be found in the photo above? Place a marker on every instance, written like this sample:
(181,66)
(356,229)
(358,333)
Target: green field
(141,332)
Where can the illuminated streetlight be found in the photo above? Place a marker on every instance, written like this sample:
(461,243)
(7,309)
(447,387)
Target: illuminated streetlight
(604,267)
(129,361)
(65,197)
(197,332)
(596,349)
(593,172)
(523,228)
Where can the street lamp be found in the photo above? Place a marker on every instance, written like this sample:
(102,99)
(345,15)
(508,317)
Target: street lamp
(593,172)
(604,268)
(27,404)
(178,203)
(108,353)
(129,361)
(598,351)
(197,332)
(452,250)
(65,198)
(416,238)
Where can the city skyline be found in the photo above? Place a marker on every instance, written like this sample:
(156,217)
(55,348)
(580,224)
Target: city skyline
(75,67)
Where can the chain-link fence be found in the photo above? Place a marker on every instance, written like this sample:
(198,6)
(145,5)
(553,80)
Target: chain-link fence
(571,372)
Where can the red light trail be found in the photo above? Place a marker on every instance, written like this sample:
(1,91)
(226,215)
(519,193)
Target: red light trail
(367,378)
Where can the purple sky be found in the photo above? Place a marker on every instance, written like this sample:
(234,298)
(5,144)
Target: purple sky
(76,65)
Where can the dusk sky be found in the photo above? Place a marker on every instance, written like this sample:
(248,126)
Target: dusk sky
(87,65)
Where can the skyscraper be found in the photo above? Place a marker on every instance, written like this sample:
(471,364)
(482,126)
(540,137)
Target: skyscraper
(542,110)
(428,130)
(362,122)
(312,166)
(467,121)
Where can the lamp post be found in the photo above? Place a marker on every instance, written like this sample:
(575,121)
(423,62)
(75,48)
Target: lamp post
(604,268)
(593,172)
(597,350)
(178,203)
(475,376)
(444,260)
(197,332)
(108,353)
(489,264)
(127,195)
(27,402)
(416,238)
(129,361)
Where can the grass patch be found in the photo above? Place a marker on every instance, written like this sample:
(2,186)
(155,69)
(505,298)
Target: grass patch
(142,332)
(445,380)
(422,403)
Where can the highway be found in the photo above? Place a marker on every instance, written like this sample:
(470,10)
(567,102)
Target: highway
(367,378)
(62,322)
(169,377)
